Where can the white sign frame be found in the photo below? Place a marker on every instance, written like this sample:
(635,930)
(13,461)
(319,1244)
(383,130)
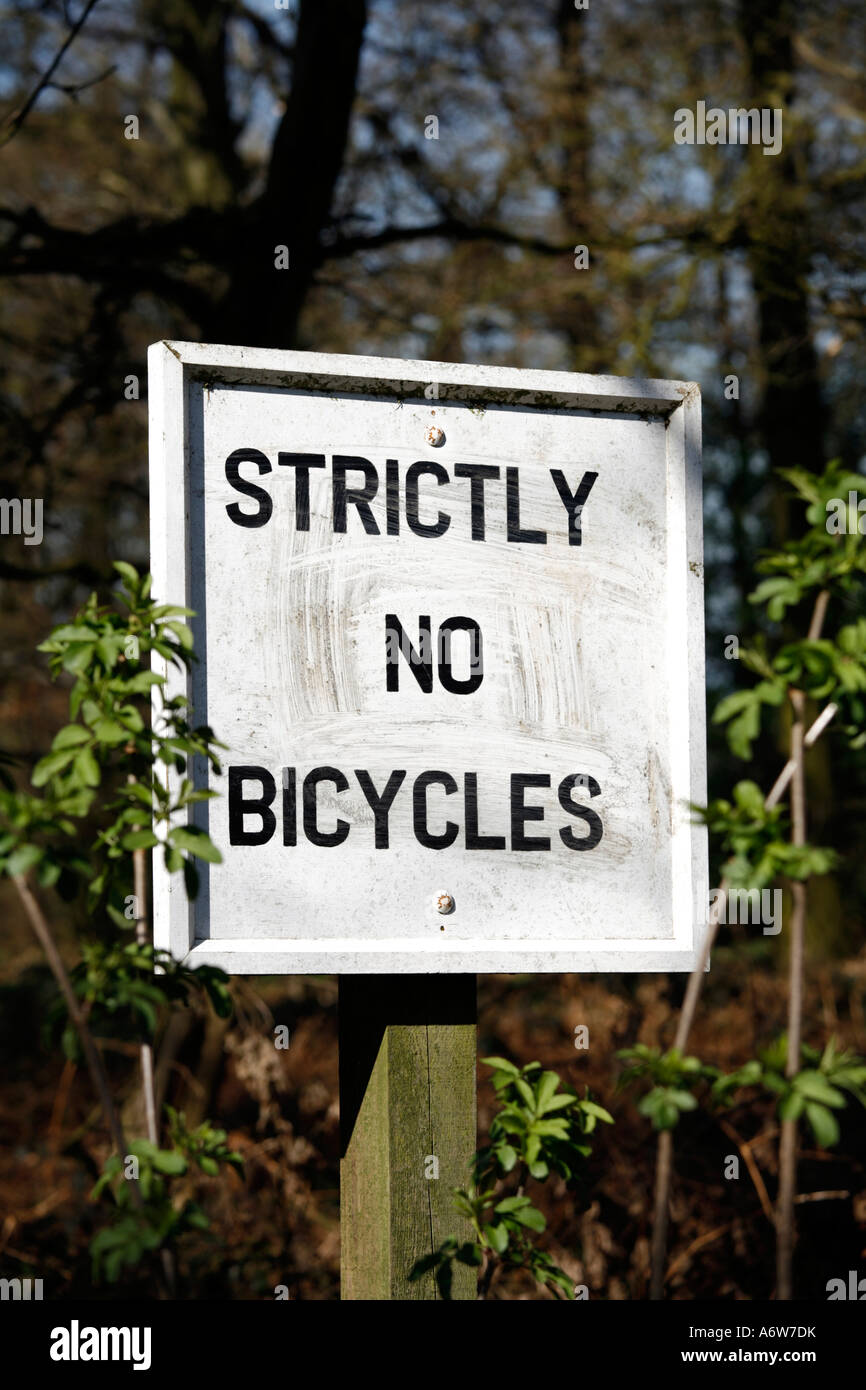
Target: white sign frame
(173,367)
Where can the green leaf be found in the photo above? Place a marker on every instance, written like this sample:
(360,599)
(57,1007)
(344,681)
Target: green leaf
(545,1087)
(732,704)
(791,1106)
(532,1148)
(551,1129)
(109,731)
(658,1107)
(131,718)
(173,859)
(183,634)
(87,768)
(560,1102)
(50,765)
(127,572)
(140,792)
(108,649)
(66,632)
(23,859)
(77,657)
(169,1161)
(500,1064)
(195,842)
(497,1237)
(48,873)
(511,1204)
(506,1156)
(168,610)
(444,1279)
(749,797)
(824,1124)
(590,1107)
(119,918)
(141,682)
(525,1092)
(70,735)
(816,1087)
(531,1217)
(140,839)
(683,1100)
(424,1265)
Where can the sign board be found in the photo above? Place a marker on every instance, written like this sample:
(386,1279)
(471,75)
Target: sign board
(450,626)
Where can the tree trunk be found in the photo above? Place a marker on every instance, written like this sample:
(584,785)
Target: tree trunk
(263,305)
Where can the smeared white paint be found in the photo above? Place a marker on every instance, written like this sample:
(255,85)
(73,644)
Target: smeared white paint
(582,649)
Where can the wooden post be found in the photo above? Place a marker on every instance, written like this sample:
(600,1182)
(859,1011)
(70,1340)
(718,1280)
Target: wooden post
(407,1111)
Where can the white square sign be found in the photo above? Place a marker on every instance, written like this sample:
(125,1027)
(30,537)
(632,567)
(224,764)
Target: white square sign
(450,626)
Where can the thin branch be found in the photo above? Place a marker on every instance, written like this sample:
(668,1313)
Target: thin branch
(821,1197)
(754,1171)
(74,89)
(129,255)
(786,1232)
(785,1225)
(690,232)
(265,33)
(16,121)
(94,1061)
(450,227)
(664,1151)
(706,1239)
(142,936)
(661,1209)
(819,613)
(693,989)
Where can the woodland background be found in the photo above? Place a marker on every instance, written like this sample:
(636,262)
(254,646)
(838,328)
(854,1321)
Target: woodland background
(305,126)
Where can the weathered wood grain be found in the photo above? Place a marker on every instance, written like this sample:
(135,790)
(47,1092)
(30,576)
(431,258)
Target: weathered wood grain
(407,1094)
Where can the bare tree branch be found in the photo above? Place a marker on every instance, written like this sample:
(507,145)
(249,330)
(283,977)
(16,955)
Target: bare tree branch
(17,119)
(95,1064)
(664,1148)
(73,89)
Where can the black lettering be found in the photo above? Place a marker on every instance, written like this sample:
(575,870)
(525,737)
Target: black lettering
(397,643)
(476,473)
(473,839)
(423,834)
(596,829)
(521,813)
(447,679)
(239,806)
(380,803)
(413,473)
(264,499)
(360,497)
(316,836)
(302,463)
(512,512)
(290,807)
(392,496)
(573,503)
